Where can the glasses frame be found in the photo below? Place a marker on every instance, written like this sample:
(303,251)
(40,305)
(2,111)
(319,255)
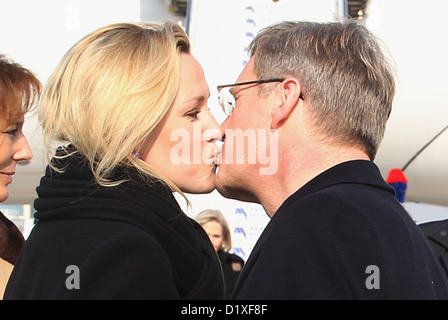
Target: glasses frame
(229,112)
(248,82)
(251,82)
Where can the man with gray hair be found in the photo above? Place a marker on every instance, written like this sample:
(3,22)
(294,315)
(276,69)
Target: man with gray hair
(337,231)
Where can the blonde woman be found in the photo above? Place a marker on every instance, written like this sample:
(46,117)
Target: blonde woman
(108,224)
(217,229)
(19,92)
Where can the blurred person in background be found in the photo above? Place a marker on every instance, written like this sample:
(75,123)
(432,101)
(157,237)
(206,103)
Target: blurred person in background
(217,229)
(19,92)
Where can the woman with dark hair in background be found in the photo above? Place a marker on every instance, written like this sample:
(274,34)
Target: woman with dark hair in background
(19,91)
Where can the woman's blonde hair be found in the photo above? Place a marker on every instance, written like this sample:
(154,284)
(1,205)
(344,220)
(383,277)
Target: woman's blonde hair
(216,215)
(110,91)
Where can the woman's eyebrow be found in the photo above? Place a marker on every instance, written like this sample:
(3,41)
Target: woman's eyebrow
(199,98)
(16,124)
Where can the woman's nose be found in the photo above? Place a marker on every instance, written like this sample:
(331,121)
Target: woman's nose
(23,150)
(214,131)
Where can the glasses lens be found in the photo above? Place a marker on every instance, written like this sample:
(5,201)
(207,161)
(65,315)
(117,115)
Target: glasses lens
(226,100)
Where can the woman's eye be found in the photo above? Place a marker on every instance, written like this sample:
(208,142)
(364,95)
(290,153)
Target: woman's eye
(193,114)
(11,132)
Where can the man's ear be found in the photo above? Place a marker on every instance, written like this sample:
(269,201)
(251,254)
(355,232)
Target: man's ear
(290,96)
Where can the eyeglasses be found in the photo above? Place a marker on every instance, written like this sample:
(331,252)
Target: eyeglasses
(227,100)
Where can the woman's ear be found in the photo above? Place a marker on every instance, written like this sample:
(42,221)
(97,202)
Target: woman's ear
(289,91)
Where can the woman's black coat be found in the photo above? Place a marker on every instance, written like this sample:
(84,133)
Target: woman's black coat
(127,242)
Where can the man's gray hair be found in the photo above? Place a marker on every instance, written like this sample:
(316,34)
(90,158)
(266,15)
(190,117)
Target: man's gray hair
(346,79)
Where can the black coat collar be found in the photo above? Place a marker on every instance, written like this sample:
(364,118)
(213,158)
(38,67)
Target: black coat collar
(350,172)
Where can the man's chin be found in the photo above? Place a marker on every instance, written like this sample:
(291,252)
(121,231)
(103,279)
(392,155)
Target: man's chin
(231,190)
(237,194)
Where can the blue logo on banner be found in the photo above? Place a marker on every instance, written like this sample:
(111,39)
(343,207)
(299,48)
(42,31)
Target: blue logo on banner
(241,211)
(249,35)
(250,8)
(239,252)
(249,20)
(240,230)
